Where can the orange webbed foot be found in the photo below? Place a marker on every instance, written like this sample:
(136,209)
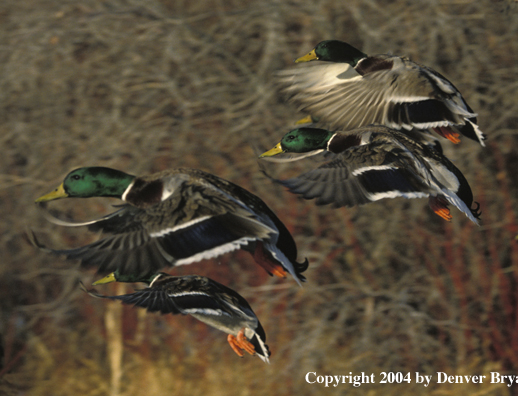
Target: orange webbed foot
(235,345)
(440,206)
(244,343)
(240,343)
(264,261)
(448,134)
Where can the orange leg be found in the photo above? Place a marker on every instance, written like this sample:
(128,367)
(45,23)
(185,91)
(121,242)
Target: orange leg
(440,206)
(235,345)
(244,343)
(240,343)
(448,134)
(268,264)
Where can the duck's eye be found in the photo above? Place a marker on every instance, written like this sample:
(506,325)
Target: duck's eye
(76,177)
(291,137)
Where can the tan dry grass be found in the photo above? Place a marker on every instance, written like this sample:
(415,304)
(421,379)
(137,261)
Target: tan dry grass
(146,85)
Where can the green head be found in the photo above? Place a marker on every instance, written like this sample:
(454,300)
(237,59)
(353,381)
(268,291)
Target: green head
(117,277)
(334,51)
(301,140)
(94,181)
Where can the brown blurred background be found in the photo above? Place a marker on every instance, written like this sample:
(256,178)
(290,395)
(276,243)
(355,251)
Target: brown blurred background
(152,84)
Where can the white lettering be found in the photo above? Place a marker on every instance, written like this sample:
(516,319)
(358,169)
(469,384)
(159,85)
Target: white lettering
(307,377)
(327,380)
(420,379)
(441,377)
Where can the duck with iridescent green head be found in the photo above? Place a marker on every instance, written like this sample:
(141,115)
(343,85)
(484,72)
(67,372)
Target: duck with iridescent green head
(350,89)
(175,217)
(373,163)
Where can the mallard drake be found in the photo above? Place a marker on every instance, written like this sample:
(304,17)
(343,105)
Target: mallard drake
(205,299)
(175,217)
(354,89)
(373,163)
(422,136)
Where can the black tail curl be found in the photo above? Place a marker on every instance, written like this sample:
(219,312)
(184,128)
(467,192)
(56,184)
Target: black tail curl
(301,267)
(475,211)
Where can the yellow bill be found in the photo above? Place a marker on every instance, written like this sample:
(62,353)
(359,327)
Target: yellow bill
(274,151)
(308,57)
(56,194)
(107,279)
(306,120)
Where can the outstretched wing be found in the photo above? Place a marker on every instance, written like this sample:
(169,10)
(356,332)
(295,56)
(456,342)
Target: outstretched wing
(397,93)
(195,222)
(362,174)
